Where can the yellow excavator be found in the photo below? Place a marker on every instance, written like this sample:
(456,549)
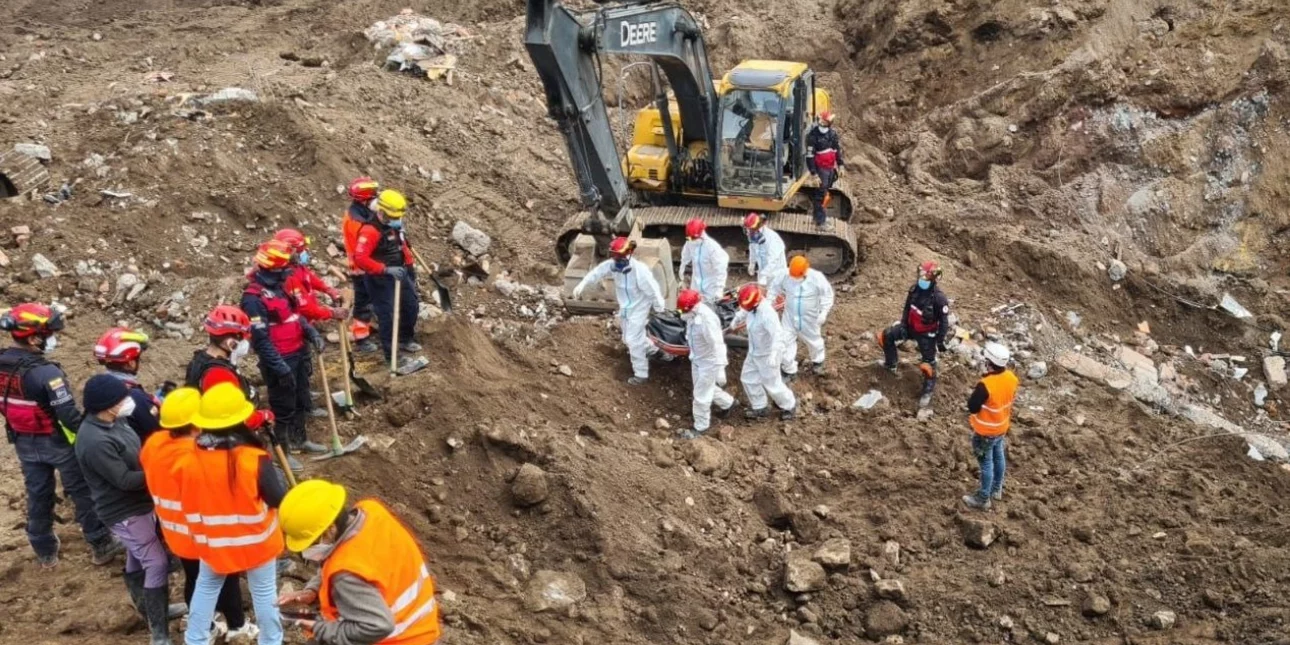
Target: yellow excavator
(712,149)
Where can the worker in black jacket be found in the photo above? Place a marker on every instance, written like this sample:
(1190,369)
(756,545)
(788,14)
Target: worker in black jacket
(824,159)
(925,320)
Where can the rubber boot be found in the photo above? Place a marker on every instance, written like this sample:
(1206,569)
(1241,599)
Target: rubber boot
(156,602)
(134,585)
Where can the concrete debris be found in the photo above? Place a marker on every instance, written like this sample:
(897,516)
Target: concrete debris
(1163,620)
(229,95)
(34,150)
(1231,306)
(44,267)
(1038,370)
(868,401)
(1117,271)
(473,240)
(802,574)
(529,487)
(835,552)
(554,590)
(1274,369)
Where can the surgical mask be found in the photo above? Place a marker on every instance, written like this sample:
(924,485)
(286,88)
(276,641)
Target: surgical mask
(51,343)
(316,553)
(304,257)
(824,129)
(924,284)
(239,351)
(622,264)
(396,223)
(126,409)
(755,236)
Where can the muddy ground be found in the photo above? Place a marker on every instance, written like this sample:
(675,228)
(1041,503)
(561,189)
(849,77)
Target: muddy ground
(1027,146)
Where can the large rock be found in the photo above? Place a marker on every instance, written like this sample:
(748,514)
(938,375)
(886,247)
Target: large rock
(1274,368)
(1163,619)
(1142,368)
(834,553)
(44,267)
(979,534)
(708,457)
(801,574)
(529,486)
(475,241)
(884,619)
(1095,604)
(1088,368)
(893,590)
(773,506)
(553,590)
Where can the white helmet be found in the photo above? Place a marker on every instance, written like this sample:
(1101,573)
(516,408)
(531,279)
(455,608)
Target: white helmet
(997,354)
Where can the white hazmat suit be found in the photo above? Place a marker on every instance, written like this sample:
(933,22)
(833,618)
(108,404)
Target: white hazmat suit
(761,375)
(710,265)
(767,261)
(637,292)
(807,303)
(708,362)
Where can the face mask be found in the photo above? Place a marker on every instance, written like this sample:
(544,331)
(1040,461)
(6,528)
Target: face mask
(755,236)
(50,344)
(126,409)
(824,129)
(621,264)
(396,223)
(239,351)
(316,553)
(924,284)
(304,257)
(688,316)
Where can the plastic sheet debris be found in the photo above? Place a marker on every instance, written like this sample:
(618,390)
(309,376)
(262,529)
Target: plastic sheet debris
(229,95)
(1231,306)
(420,45)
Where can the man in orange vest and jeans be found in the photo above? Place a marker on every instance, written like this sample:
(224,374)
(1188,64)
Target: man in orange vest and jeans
(991,408)
(375,584)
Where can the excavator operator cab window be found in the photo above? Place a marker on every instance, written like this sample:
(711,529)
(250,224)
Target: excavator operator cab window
(751,125)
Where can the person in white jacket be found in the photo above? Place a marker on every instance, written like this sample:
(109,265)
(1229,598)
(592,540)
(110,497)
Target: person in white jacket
(761,376)
(637,292)
(708,360)
(766,255)
(709,259)
(808,299)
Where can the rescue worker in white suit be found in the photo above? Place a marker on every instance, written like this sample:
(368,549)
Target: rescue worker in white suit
(710,262)
(766,256)
(637,292)
(708,360)
(761,375)
(808,299)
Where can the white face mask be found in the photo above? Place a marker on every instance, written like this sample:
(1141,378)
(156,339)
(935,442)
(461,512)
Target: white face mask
(316,553)
(824,128)
(50,344)
(126,409)
(239,351)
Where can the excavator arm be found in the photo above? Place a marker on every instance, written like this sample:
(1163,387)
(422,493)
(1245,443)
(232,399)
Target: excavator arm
(565,48)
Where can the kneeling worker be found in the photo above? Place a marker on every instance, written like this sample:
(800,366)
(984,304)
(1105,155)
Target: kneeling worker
(375,584)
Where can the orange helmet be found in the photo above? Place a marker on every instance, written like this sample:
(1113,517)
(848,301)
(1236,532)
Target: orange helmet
(31,319)
(686,300)
(622,247)
(273,255)
(226,320)
(120,345)
(363,189)
(826,117)
(294,239)
(929,271)
(749,297)
(695,228)
(798,265)
(754,221)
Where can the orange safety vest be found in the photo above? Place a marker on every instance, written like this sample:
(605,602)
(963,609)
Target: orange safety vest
(233,528)
(995,416)
(385,555)
(159,456)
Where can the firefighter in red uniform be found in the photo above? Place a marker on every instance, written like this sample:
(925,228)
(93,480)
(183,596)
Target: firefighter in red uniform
(41,420)
(304,285)
(925,320)
(281,337)
(119,350)
(362,193)
(383,254)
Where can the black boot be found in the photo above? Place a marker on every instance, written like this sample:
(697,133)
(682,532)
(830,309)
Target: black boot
(156,602)
(134,585)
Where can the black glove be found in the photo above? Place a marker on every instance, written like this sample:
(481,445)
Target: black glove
(286,380)
(940,346)
(318,342)
(398,273)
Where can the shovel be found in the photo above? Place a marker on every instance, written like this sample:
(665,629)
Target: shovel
(445,297)
(337,450)
(413,365)
(286,465)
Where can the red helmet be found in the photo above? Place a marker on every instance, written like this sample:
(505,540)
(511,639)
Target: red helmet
(622,247)
(749,297)
(826,117)
(120,345)
(273,255)
(31,319)
(294,239)
(754,221)
(226,320)
(695,228)
(686,300)
(929,271)
(363,189)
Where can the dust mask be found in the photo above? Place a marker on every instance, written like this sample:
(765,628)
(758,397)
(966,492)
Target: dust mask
(924,284)
(317,552)
(824,129)
(304,257)
(396,223)
(51,342)
(239,351)
(126,409)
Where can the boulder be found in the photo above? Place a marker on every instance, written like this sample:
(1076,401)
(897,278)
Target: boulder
(1163,620)
(529,486)
(802,575)
(707,457)
(834,553)
(553,590)
(44,267)
(1095,604)
(979,534)
(884,619)
(473,240)
(893,590)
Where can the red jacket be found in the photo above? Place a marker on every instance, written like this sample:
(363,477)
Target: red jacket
(378,246)
(303,286)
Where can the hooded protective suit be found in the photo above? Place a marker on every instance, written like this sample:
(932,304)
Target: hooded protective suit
(807,303)
(637,292)
(708,362)
(761,374)
(710,264)
(767,261)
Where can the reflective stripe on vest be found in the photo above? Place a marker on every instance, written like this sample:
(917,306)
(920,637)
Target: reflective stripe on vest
(158,457)
(233,529)
(168,504)
(240,541)
(995,416)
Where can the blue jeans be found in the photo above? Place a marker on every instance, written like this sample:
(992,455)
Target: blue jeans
(40,456)
(990,454)
(263,584)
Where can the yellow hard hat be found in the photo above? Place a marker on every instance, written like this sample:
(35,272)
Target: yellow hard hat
(308,509)
(223,407)
(392,203)
(179,407)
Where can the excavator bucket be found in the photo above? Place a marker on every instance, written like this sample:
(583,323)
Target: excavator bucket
(600,298)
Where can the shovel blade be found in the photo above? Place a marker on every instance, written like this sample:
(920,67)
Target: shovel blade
(354,444)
